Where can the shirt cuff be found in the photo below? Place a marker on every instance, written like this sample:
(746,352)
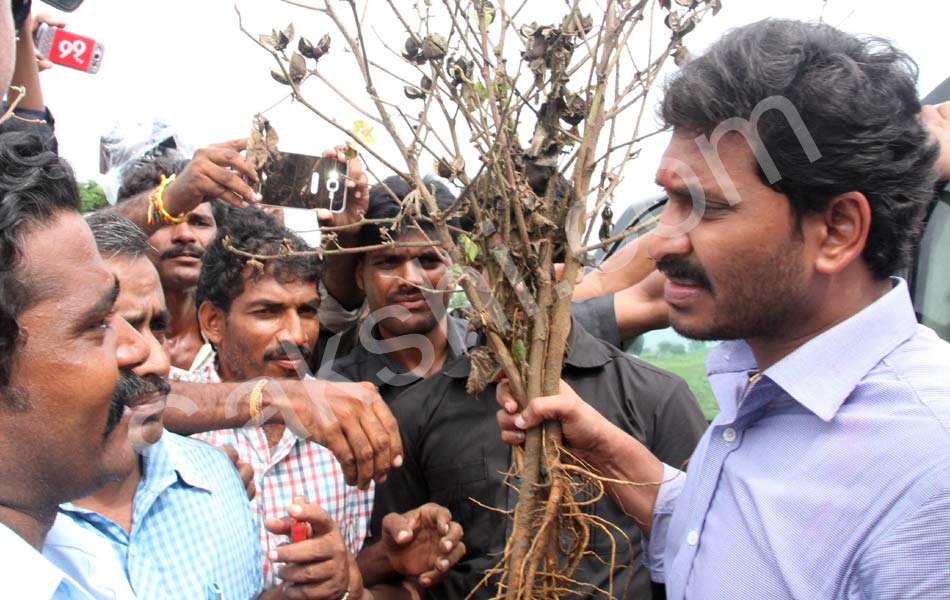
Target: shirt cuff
(333,317)
(654,547)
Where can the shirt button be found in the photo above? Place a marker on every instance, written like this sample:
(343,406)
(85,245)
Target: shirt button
(692,538)
(131,551)
(729,434)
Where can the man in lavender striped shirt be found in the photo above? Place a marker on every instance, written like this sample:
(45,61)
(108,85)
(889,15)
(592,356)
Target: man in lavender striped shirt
(798,176)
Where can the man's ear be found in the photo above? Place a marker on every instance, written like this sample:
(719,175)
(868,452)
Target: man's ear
(212,321)
(842,231)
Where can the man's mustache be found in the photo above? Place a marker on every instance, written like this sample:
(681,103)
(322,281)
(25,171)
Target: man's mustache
(678,268)
(288,351)
(129,387)
(180,250)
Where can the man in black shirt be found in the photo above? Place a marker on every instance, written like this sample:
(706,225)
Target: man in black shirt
(453,455)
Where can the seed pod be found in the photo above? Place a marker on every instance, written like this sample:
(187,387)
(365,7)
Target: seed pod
(575,109)
(322,47)
(298,67)
(279,77)
(426,83)
(305,48)
(413,93)
(434,47)
(460,70)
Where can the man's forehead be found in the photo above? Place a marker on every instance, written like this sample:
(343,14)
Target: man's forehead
(140,286)
(266,285)
(51,273)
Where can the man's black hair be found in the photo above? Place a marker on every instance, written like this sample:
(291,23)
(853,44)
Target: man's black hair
(146,173)
(253,231)
(35,186)
(382,205)
(857,97)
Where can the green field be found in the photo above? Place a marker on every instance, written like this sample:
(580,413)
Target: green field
(689,366)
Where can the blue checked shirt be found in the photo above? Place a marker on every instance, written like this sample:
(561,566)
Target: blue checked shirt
(193,536)
(828,479)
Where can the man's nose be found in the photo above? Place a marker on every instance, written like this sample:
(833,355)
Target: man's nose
(292,332)
(131,349)
(413,273)
(183,233)
(671,235)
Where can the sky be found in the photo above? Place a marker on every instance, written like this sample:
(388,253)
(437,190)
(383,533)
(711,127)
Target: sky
(188,63)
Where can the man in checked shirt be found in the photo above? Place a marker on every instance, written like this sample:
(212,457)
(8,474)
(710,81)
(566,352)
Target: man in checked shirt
(261,317)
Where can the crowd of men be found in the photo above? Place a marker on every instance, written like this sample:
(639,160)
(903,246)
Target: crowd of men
(194,405)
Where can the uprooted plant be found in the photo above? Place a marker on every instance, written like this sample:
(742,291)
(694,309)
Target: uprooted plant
(535,124)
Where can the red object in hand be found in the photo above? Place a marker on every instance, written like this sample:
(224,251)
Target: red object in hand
(68,49)
(298,529)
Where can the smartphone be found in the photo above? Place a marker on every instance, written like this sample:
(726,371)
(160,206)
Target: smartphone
(68,49)
(304,181)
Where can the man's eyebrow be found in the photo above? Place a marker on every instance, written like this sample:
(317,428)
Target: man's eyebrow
(103,305)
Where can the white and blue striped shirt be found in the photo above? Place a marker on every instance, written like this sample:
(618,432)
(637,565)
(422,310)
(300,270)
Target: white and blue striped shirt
(193,535)
(829,479)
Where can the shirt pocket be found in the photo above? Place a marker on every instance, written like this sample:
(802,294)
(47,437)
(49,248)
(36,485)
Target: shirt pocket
(461,488)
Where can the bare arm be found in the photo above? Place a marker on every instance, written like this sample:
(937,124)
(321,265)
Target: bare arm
(350,419)
(630,265)
(641,308)
(339,268)
(594,439)
(26,71)
(214,172)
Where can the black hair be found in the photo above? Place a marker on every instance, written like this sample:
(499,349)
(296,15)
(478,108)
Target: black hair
(146,173)
(116,235)
(382,205)
(35,186)
(253,231)
(857,97)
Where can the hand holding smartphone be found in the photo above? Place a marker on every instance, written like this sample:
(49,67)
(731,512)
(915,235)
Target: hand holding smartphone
(68,49)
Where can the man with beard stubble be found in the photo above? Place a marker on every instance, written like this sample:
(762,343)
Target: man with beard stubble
(261,318)
(826,473)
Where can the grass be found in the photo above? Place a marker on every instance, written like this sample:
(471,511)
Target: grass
(691,367)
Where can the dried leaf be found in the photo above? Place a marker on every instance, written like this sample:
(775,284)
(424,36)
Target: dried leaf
(483,371)
(298,67)
(715,5)
(425,83)
(261,143)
